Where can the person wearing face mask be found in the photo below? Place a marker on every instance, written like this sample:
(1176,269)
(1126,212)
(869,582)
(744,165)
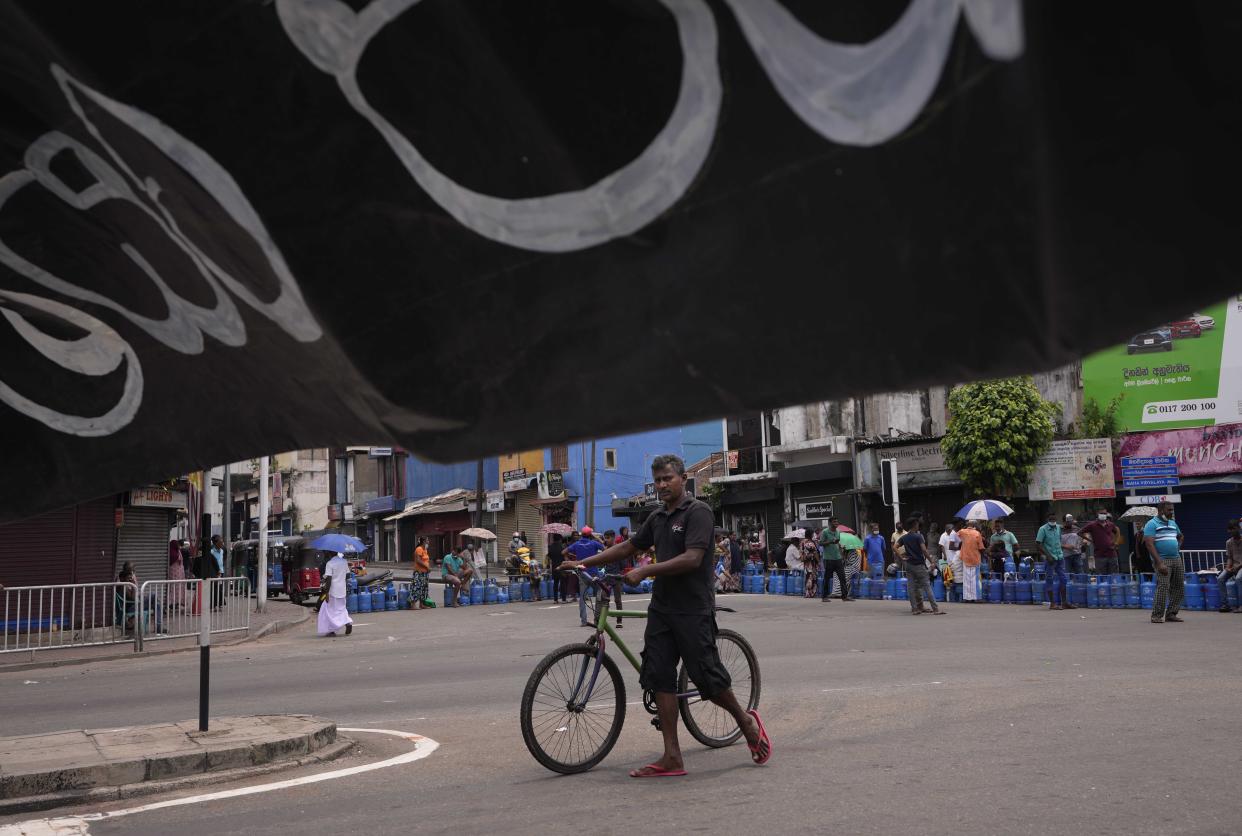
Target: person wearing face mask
(1233,564)
(1163,539)
(1103,534)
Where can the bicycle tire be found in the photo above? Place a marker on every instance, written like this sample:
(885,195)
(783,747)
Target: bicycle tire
(706,721)
(539,719)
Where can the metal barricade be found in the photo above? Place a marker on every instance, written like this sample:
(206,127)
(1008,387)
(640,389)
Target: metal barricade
(174,609)
(1196,560)
(69,615)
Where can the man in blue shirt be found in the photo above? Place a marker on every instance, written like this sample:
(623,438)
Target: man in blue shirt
(1163,539)
(582,548)
(874,544)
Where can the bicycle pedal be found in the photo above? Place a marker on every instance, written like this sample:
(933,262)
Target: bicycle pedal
(655,721)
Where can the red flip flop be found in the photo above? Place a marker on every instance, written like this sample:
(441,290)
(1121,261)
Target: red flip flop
(763,738)
(656,771)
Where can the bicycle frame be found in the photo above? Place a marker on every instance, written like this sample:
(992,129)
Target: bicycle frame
(603,628)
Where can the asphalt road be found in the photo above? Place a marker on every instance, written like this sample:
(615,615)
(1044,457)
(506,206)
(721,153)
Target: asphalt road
(991,719)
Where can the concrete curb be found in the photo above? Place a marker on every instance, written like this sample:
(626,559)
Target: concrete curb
(74,764)
(266,629)
(51,801)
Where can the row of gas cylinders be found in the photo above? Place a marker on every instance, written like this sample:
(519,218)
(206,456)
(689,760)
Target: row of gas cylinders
(1089,591)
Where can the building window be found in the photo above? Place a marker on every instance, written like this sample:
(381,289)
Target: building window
(610,458)
(560,457)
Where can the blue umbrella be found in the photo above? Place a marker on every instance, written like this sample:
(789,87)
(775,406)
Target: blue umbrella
(338,543)
(984,509)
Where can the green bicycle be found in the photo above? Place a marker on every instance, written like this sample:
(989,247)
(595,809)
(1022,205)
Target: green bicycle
(572,715)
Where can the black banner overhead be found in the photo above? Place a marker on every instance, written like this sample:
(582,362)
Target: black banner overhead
(471,226)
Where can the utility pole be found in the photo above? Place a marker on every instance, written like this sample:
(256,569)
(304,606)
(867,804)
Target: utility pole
(478,496)
(226,515)
(591,506)
(204,608)
(260,579)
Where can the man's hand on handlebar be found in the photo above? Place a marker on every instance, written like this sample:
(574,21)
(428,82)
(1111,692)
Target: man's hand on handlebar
(569,565)
(635,576)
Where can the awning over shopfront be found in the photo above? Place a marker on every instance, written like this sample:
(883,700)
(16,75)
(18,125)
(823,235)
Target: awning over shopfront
(816,472)
(444,503)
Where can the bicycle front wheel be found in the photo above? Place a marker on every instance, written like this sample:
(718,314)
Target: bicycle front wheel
(567,730)
(707,722)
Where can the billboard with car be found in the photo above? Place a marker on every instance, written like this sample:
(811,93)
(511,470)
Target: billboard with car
(1185,372)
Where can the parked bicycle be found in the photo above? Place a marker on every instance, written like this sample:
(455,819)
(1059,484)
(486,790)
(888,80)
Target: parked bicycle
(571,715)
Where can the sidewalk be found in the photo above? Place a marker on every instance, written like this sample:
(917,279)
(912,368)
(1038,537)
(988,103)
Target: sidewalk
(279,615)
(46,770)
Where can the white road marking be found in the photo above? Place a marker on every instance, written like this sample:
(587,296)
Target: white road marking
(80,825)
(867,688)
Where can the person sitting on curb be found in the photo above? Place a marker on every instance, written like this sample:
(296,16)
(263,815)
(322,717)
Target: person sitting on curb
(456,573)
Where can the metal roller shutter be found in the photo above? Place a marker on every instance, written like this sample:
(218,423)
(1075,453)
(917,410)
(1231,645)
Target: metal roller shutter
(530,520)
(39,550)
(1202,518)
(95,540)
(142,539)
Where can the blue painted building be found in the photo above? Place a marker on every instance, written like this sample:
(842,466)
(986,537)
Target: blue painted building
(423,479)
(623,465)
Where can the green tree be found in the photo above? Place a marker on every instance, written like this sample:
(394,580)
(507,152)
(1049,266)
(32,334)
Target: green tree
(1097,421)
(997,430)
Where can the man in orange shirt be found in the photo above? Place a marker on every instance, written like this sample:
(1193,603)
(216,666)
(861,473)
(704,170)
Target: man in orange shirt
(971,552)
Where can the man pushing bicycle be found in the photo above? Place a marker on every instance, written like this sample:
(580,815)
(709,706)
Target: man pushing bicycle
(681,618)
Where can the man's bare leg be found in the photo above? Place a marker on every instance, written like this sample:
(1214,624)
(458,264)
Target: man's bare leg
(666,710)
(748,724)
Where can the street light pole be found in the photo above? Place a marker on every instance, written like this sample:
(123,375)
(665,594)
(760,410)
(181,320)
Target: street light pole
(260,580)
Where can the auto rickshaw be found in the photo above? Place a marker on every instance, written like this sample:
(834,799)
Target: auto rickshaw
(246,554)
(303,570)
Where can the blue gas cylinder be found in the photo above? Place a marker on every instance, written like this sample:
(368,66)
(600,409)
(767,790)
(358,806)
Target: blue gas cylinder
(776,582)
(390,601)
(984,584)
(1078,590)
(1104,592)
(819,585)
(794,582)
(1038,590)
(526,592)
(403,598)
(1010,567)
(448,595)
(647,584)
(864,587)
(502,594)
(1194,593)
(1009,589)
(351,602)
(1231,592)
(491,593)
(890,589)
(1093,596)
(1023,589)
(938,588)
(352,585)
(364,601)
(877,589)
(476,592)
(390,591)
(1117,597)
(855,586)
(377,600)
(1133,598)
(902,590)
(1211,595)
(1147,592)
(464,598)
(996,590)
(756,583)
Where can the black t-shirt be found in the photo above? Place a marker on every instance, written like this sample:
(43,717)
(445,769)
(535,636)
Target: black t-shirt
(915,548)
(554,554)
(736,563)
(691,525)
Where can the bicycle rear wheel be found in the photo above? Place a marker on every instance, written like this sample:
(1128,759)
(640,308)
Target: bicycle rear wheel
(565,733)
(707,722)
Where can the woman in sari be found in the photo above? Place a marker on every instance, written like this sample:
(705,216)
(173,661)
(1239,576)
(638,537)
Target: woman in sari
(176,572)
(810,564)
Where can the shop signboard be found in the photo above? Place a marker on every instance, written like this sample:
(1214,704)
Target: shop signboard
(495,501)
(515,479)
(1183,373)
(154,496)
(1076,468)
(917,458)
(815,509)
(1196,451)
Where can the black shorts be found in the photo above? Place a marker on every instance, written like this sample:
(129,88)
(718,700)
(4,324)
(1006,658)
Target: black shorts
(690,639)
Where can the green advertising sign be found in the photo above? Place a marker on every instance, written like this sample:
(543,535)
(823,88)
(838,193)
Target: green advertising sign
(1184,373)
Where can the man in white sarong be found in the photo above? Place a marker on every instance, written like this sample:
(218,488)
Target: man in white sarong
(333,615)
